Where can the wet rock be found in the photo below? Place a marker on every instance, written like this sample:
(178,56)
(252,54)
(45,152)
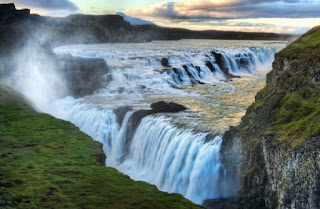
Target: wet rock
(167,107)
(121,113)
(210,66)
(158,107)
(194,81)
(83,75)
(219,60)
(121,90)
(165,62)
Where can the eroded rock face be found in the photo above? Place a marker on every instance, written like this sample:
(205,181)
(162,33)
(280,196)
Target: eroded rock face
(83,75)
(292,181)
(279,158)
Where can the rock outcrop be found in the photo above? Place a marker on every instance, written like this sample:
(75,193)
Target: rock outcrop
(278,164)
(137,116)
(9,14)
(83,75)
(219,60)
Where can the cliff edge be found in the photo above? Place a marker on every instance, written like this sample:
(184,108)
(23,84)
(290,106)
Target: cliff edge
(274,154)
(50,163)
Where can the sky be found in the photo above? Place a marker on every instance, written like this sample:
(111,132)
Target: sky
(279,16)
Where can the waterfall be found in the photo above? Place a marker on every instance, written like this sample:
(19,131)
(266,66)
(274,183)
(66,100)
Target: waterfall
(160,150)
(134,70)
(174,159)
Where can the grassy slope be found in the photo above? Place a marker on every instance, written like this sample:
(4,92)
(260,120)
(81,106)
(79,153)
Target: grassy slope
(296,116)
(308,44)
(49,163)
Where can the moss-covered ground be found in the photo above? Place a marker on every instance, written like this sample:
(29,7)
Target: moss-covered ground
(49,163)
(297,119)
(308,45)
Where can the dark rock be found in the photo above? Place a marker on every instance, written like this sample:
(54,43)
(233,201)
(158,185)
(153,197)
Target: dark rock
(158,107)
(219,60)
(121,113)
(165,62)
(198,69)
(190,75)
(223,203)
(121,90)
(167,107)
(210,66)
(245,60)
(9,14)
(83,75)
(101,158)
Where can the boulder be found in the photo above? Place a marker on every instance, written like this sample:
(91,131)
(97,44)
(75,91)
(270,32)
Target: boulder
(165,62)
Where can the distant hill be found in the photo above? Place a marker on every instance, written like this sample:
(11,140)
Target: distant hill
(134,20)
(17,26)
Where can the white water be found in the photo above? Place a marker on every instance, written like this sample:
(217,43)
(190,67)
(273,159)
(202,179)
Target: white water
(137,67)
(176,160)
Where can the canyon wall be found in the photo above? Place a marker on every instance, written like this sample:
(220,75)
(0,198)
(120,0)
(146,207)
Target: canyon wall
(279,137)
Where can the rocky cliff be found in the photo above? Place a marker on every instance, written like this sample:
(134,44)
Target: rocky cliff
(273,156)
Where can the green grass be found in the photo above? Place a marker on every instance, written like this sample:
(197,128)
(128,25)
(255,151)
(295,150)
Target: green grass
(307,45)
(297,119)
(49,163)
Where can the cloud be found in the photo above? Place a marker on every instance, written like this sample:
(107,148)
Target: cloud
(47,7)
(228,9)
(238,15)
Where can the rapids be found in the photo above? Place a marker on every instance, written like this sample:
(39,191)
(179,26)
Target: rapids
(179,153)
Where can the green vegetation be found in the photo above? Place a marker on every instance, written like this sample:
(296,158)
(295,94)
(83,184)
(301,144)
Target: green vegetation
(297,119)
(288,112)
(307,45)
(49,163)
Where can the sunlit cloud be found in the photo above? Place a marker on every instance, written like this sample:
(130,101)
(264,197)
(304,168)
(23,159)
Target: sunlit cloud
(280,16)
(295,16)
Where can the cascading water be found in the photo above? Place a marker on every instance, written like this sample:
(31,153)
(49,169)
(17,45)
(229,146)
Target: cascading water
(162,150)
(141,69)
(174,159)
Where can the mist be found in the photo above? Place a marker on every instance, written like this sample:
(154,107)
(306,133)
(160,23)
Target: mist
(38,77)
